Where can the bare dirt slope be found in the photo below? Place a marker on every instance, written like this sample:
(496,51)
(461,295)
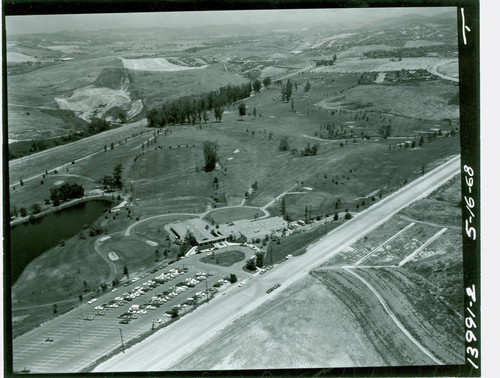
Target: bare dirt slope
(306,326)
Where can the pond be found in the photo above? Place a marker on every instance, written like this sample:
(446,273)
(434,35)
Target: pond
(29,240)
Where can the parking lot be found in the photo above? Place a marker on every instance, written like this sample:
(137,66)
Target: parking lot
(70,343)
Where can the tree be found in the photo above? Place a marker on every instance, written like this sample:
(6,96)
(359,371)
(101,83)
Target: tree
(254,112)
(251,265)
(259,261)
(266,82)
(35,208)
(286,91)
(347,216)
(257,85)
(205,116)
(117,176)
(23,212)
(385,131)
(242,109)
(174,312)
(233,278)
(307,87)
(157,255)
(54,308)
(284,145)
(292,105)
(218,113)
(210,152)
(125,270)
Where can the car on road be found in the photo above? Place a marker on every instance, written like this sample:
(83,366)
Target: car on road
(288,256)
(241,283)
(273,288)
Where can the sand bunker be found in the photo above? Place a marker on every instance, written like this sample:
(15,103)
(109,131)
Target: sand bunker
(151,243)
(104,238)
(113,256)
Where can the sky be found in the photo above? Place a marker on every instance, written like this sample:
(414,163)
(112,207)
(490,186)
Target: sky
(55,23)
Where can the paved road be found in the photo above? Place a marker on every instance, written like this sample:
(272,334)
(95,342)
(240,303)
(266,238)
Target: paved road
(33,166)
(159,353)
(77,343)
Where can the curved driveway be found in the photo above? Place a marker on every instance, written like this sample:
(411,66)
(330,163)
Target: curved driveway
(158,352)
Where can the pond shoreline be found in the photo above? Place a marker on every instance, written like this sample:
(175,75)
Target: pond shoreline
(63,206)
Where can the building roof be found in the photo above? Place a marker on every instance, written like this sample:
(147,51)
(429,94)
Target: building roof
(198,227)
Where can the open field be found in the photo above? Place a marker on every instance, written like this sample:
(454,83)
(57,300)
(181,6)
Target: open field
(449,69)
(380,65)
(155,88)
(13,57)
(155,64)
(429,101)
(336,340)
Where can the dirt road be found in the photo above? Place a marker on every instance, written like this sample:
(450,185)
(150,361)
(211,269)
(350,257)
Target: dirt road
(159,352)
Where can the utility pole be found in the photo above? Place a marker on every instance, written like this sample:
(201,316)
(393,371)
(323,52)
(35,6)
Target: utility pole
(121,337)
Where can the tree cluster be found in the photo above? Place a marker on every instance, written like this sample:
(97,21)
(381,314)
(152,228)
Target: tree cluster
(66,192)
(97,125)
(286,91)
(310,150)
(385,131)
(191,109)
(114,181)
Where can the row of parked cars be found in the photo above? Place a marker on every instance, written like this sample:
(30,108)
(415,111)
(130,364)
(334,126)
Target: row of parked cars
(159,299)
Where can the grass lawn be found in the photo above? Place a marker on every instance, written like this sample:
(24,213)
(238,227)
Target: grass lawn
(227,258)
(296,244)
(232,214)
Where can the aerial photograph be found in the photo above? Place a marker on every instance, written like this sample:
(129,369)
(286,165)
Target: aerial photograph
(234,190)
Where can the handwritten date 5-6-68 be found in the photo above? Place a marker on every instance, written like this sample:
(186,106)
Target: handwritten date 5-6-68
(469,203)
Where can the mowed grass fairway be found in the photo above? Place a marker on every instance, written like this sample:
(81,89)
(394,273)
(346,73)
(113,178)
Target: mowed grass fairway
(305,326)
